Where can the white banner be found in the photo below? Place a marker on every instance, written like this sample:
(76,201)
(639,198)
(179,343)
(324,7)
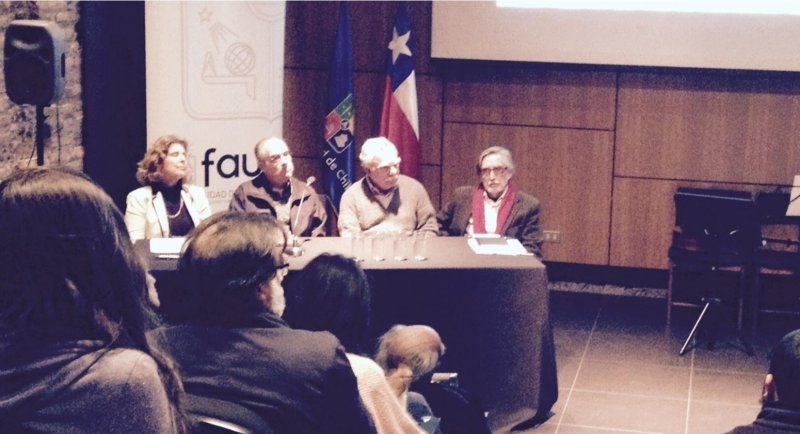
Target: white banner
(215,77)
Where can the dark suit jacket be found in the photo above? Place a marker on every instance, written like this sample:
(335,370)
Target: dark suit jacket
(252,196)
(522,223)
(298,381)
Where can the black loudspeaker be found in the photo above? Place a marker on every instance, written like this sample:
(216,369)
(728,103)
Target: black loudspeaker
(33,62)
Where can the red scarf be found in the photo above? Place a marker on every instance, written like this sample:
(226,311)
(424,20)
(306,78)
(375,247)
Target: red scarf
(478,218)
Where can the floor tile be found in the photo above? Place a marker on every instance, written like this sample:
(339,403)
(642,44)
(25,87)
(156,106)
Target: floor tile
(629,378)
(731,359)
(652,348)
(569,342)
(574,311)
(625,412)
(634,378)
(727,387)
(567,368)
(711,417)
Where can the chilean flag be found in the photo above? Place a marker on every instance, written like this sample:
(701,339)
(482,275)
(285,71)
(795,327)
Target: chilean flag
(399,118)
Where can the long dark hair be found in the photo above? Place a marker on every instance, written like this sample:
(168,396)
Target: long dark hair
(67,263)
(331,293)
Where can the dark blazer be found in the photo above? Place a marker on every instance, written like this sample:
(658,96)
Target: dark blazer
(252,196)
(522,223)
(298,381)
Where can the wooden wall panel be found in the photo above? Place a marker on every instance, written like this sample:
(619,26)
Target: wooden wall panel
(567,99)
(568,170)
(643,217)
(723,128)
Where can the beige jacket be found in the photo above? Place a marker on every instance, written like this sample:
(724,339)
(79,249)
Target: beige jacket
(146,214)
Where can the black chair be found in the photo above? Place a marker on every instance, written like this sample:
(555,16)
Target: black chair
(715,230)
(215,416)
(779,248)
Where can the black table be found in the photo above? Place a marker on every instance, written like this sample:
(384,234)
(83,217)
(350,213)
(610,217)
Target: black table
(491,311)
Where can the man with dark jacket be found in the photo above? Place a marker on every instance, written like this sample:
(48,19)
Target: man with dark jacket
(233,346)
(277,192)
(494,206)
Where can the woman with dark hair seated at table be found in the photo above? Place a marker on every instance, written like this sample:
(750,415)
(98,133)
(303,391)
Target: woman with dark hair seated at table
(73,315)
(166,205)
(332,294)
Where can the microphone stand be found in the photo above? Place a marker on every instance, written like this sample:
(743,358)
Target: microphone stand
(296,249)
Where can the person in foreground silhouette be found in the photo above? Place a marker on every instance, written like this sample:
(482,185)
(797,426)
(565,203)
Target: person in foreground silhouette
(780,411)
(232,345)
(332,294)
(74,311)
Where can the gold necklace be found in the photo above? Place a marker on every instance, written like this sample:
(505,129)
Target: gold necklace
(177,213)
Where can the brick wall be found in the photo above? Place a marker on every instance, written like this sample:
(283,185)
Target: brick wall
(63,139)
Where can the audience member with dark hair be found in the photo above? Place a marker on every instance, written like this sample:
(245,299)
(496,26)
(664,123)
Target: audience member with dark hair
(74,356)
(166,205)
(780,412)
(235,347)
(409,354)
(332,294)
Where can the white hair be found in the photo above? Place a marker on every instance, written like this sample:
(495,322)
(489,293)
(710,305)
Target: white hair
(263,143)
(378,151)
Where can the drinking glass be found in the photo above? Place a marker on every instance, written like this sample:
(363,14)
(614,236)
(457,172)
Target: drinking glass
(421,245)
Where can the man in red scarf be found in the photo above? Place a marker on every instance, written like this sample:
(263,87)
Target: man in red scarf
(494,206)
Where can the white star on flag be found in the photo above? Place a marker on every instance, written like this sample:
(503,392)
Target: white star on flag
(399,44)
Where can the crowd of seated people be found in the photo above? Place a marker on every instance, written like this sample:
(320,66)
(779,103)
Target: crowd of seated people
(77,321)
(82,349)
(332,294)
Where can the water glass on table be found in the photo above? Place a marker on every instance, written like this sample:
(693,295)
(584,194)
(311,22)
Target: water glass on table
(420,242)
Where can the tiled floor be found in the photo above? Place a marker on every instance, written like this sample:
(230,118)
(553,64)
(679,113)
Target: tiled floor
(619,370)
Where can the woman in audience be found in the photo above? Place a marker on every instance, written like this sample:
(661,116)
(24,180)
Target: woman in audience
(332,294)
(73,315)
(166,205)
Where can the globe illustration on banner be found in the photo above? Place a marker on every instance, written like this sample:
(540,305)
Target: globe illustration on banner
(240,58)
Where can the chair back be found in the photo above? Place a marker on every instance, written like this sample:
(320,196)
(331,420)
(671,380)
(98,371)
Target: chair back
(716,221)
(215,416)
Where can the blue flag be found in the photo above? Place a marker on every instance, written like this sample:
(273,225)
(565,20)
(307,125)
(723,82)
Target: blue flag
(338,153)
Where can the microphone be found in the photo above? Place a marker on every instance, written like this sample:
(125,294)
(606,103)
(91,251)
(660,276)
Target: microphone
(296,250)
(309,181)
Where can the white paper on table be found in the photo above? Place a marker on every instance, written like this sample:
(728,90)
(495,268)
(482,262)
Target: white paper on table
(166,246)
(794,198)
(496,245)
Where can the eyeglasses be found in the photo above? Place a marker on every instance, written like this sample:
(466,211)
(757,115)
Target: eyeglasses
(275,159)
(499,171)
(388,168)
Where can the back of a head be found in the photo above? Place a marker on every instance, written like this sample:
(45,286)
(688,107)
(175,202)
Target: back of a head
(66,259)
(417,346)
(332,294)
(226,260)
(785,369)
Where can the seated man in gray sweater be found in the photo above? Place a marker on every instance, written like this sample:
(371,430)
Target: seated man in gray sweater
(384,200)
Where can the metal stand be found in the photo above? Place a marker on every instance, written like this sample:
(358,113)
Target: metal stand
(709,302)
(40,125)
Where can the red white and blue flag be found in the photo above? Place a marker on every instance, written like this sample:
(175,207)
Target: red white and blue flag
(338,151)
(399,116)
